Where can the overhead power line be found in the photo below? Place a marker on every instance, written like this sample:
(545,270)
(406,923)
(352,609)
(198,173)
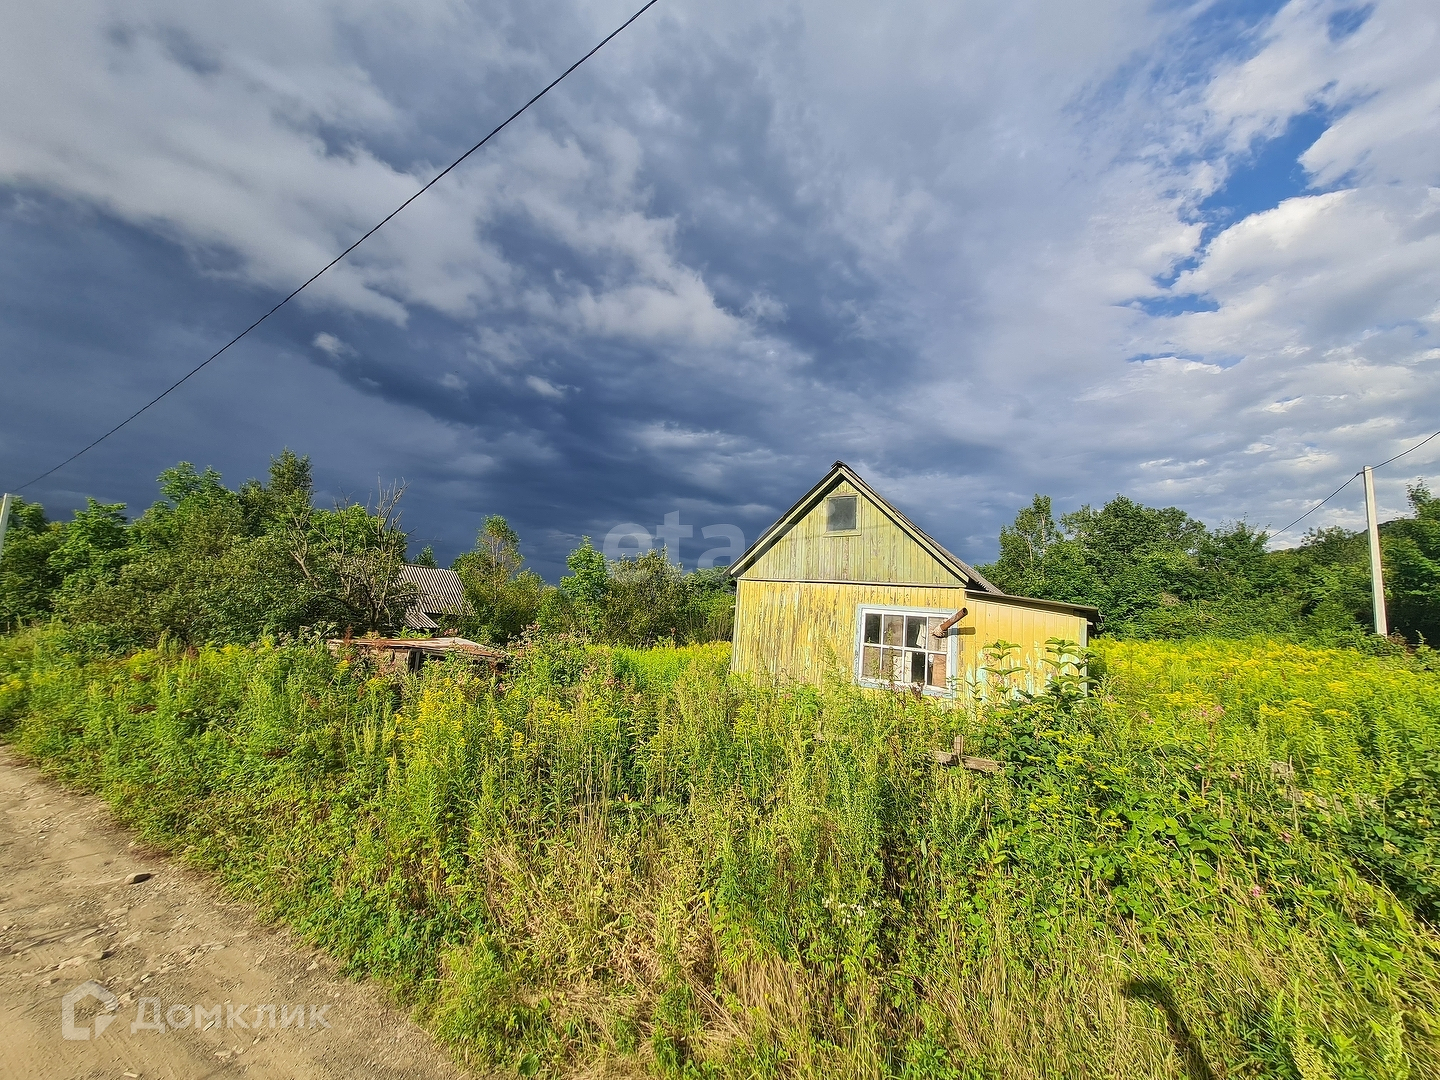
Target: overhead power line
(1347,483)
(1402,453)
(433,181)
(1317,506)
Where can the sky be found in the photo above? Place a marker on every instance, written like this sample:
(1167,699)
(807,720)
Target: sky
(1185,252)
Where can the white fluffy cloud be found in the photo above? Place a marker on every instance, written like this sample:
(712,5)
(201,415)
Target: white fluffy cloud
(1026,227)
(256,140)
(964,246)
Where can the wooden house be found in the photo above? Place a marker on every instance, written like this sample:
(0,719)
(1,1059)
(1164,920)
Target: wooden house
(846,584)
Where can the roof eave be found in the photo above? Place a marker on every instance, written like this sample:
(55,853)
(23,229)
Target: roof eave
(1090,614)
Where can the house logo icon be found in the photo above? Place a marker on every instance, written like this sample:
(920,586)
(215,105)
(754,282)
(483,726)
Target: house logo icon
(103,1020)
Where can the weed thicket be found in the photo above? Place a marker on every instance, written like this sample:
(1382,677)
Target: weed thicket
(1219,863)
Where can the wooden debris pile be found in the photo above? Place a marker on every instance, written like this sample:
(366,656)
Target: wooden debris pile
(951,758)
(411,653)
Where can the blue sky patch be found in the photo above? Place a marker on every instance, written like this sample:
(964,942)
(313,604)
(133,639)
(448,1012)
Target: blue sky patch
(1181,304)
(1345,22)
(1269,175)
(1145,357)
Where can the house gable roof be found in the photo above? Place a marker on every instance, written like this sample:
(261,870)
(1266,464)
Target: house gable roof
(841,472)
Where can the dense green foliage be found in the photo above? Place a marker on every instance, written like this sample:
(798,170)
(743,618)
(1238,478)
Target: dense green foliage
(1412,561)
(1160,573)
(208,564)
(1221,862)
(504,598)
(639,601)
(636,601)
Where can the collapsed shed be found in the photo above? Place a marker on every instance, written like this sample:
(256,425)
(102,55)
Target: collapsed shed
(410,654)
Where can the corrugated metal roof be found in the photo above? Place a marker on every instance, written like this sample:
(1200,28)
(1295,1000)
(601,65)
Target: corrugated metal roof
(438,592)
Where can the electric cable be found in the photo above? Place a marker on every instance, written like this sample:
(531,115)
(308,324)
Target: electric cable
(1402,453)
(1317,506)
(434,180)
(1347,483)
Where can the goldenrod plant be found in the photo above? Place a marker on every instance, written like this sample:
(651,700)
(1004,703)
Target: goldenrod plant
(1220,859)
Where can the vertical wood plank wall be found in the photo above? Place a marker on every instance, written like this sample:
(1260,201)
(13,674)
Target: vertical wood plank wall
(1027,627)
(805,630)
(877,550)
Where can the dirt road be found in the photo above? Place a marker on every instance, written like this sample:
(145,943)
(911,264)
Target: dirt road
(233,997)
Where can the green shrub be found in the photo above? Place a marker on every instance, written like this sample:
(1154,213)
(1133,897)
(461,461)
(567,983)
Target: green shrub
(615,861)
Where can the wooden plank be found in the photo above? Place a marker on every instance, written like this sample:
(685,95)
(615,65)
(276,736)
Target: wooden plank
(877,550)
(957,756)
(1027,627)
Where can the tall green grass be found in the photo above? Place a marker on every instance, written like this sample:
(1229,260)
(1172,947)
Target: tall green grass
(621,862)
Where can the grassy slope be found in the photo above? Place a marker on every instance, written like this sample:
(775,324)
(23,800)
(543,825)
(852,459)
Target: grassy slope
(1221,864)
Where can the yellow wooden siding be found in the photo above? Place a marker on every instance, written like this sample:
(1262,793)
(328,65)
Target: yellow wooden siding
(1026,627)
(878,550)
(804,630)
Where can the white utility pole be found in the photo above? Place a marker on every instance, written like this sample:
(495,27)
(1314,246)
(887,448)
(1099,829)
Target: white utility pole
(4,518)
(1377,573)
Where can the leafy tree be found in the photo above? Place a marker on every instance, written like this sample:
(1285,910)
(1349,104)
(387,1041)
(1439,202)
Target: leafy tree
(639,601)
(579,603)
(1160,573)
(1125,558)
(174,565)
(350,561)
(1328,577)
(205,563)
(1411,554)
(93,548)
(28,581)
(711,600)
(426,557)
(504,599)
(290,489)
(1027,550)
(646,601)
(1133,556)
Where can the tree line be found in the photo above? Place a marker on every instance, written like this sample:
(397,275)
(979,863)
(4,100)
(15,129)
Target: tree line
(209,564)
(1160,573)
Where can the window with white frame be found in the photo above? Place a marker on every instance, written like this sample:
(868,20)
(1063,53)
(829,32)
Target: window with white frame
(900,647)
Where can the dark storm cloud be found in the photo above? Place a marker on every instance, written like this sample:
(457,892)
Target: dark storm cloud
(738,245)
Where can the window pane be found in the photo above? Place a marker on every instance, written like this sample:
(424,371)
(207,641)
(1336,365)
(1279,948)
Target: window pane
(936,642)
(915,628)
(917,667)
(893,666)
(870,663)
(937,669)
(872,627)
(840,513)
(894,629)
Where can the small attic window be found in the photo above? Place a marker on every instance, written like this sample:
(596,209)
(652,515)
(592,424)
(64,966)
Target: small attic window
(840,513)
